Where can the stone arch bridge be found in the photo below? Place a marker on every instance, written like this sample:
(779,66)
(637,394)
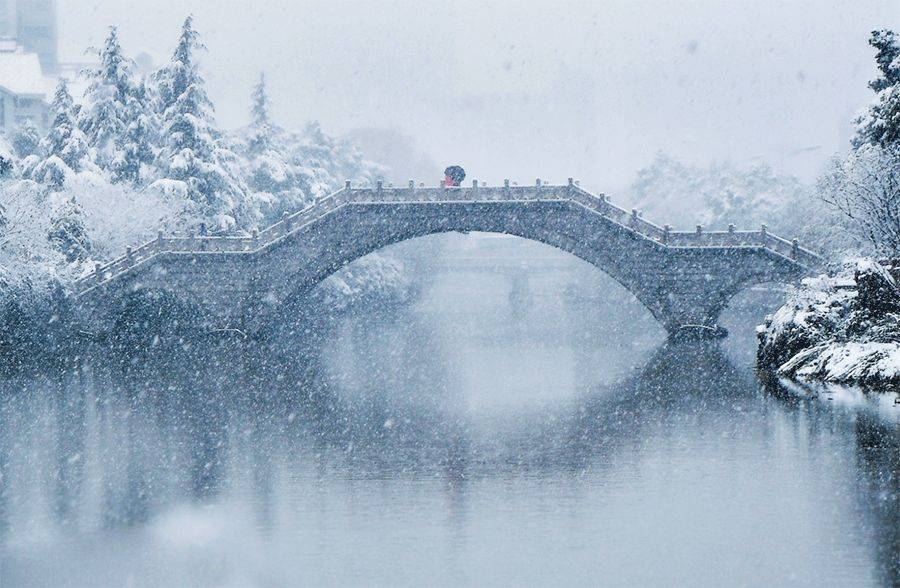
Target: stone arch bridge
(685,279)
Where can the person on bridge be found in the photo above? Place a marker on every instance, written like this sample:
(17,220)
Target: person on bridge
(454,175)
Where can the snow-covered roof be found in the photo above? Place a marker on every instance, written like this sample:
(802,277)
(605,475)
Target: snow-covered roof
(21,74)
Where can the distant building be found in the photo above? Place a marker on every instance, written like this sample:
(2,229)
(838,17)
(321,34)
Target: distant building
(24,90)
(32,24)
(28,61)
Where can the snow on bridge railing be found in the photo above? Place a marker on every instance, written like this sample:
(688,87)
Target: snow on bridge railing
(413,193)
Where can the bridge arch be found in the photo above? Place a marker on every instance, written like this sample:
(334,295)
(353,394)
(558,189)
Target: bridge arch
(678,287)
(357,232)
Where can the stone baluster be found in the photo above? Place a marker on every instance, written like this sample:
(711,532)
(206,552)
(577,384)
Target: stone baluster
(667,230)
(795,248)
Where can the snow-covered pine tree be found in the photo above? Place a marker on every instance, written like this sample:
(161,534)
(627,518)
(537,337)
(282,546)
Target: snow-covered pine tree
(136,144)
(880,123)
(260,136)
(26,139)
(276,185)
(191,153)
(325,162)
(64,148)
(103,118)
(67,233)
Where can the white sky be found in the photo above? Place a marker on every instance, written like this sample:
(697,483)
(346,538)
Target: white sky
(538,88)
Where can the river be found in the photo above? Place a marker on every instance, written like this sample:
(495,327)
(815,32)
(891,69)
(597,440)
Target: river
(487,434)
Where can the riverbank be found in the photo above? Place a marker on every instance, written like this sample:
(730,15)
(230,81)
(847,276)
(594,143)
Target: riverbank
(843,329)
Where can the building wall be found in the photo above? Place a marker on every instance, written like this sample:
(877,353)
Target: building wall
(8,18)
(36,30)
(15,109)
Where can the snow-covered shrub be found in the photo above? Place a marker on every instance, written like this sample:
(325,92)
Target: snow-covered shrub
(864,187)
(373,276)
(119,215)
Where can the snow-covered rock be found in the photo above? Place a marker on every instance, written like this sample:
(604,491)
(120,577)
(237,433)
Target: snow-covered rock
(841,329)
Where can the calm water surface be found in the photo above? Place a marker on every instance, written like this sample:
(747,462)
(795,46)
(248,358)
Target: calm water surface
(496,439)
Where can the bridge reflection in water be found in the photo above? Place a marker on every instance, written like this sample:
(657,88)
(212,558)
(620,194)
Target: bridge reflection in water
(239,467)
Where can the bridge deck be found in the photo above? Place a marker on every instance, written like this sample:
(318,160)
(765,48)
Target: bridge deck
(571,192)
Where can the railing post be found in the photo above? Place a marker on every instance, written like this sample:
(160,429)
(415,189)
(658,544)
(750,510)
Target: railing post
(412,184)
(474,183)
(764,231)
(667,229)
(570,188)
(346,184)
(634,218)
(795,248)
(128,252)
(731,229)
(159,236)
(506,188)
(699,230)
(286,221)
(254,234)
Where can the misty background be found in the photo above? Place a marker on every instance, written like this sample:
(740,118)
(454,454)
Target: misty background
(524,90)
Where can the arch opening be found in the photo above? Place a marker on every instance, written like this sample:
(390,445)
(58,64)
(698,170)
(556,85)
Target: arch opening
(520,318)
(516,256)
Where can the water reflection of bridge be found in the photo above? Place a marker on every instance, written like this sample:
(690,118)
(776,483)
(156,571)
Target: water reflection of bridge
(185,431)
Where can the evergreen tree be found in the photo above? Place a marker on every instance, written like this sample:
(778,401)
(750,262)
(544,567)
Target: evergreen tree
(26,139)
(104,116)
(260,138)
(136,144)
(67,233)
(270,172)
(880,123)
(190,152)
(64,147)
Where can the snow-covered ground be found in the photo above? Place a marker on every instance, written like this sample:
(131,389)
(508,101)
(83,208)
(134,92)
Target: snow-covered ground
(841,329)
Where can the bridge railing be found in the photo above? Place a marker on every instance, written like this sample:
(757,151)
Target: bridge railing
(412,194)
(734,238)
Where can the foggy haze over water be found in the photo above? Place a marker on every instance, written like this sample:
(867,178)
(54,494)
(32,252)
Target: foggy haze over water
(521,90)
